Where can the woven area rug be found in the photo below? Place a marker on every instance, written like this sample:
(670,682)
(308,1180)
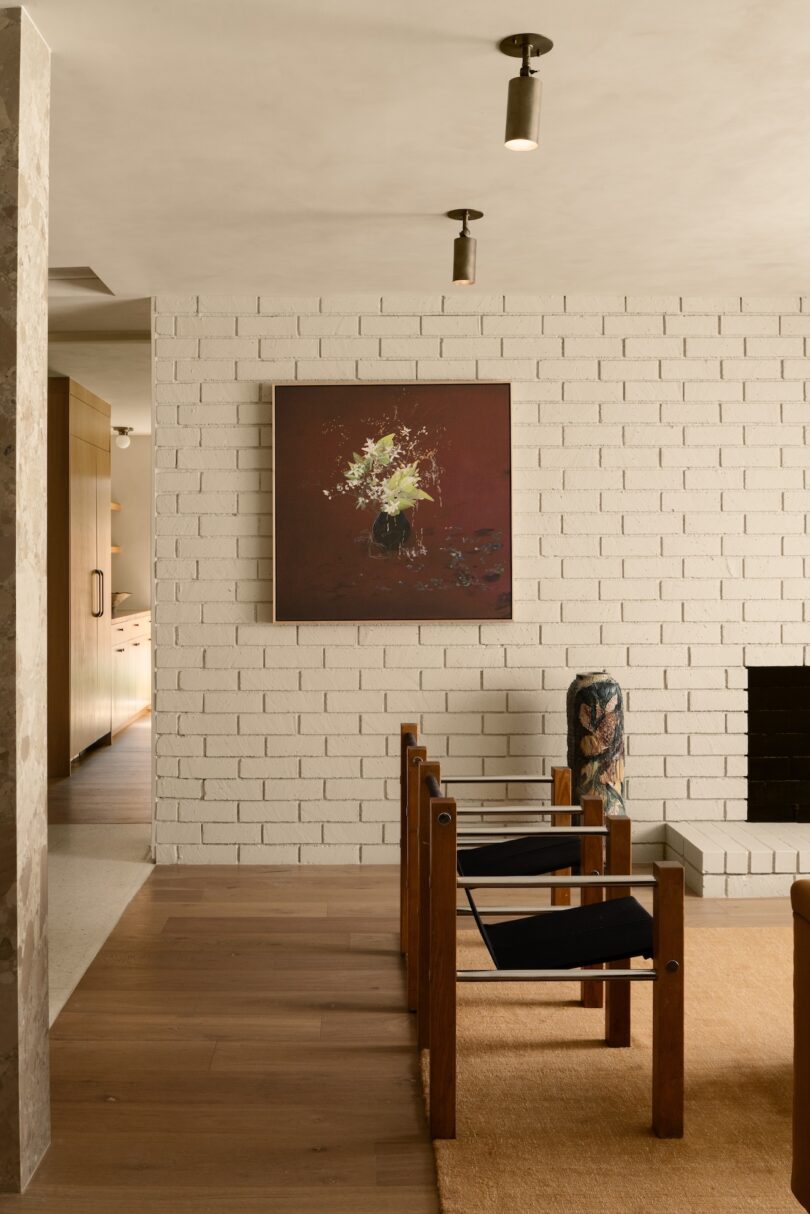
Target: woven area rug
(551,1120)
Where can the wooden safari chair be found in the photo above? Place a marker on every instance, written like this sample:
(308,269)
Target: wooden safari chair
(505,849)
(553,944)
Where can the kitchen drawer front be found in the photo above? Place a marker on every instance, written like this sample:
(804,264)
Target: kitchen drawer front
(131,680)
(122,692)
(137,628)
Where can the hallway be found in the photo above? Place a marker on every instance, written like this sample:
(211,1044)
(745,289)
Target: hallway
(109,784)
(99,849)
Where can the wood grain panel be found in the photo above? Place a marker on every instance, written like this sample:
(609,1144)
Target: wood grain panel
(79,541)
(83,630)
(89,418)
(58,580)
(88,398)
(103,695)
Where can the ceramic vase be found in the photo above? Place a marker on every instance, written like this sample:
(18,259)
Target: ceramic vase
(596,739)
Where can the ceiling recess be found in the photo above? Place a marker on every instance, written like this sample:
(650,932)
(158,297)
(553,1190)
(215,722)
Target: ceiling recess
(74,281)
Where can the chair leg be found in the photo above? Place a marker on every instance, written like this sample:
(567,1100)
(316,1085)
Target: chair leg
(591,993)
(442,997)
(617,995)
(668,1078)
(561,795)
(417,755)
(591,864)
(423,959)
(404,731)
(617,1009)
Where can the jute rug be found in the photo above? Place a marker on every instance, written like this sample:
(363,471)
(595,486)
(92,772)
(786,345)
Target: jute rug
(551,1120)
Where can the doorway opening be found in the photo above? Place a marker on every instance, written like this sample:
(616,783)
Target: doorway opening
(100,801)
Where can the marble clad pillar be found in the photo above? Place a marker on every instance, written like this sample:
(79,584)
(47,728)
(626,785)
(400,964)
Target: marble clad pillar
(24,117)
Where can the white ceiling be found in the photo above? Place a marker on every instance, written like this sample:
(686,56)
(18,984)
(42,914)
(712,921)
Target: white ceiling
(306,145)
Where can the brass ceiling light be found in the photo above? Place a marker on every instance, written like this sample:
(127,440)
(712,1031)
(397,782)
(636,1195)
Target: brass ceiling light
(464,247)
(525,90)
(122,438)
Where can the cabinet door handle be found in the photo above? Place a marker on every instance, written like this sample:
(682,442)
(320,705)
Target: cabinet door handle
(120,651)
(135,644)
(99,576)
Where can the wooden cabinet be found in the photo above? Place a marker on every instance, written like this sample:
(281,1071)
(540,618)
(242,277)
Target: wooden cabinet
(79,658)
(131,668)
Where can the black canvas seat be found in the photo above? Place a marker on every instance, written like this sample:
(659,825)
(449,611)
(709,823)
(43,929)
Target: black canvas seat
(567,939)
(523,857)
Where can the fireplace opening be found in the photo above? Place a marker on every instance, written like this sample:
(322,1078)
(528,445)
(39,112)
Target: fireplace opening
(779,744)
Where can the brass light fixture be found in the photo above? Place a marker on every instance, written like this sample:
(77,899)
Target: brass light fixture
(122,438)
(464,247)
(525,90)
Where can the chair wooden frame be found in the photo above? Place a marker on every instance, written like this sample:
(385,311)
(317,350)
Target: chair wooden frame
(413,772)
(439,973)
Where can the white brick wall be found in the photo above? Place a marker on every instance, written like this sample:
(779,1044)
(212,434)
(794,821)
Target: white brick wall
(662,493)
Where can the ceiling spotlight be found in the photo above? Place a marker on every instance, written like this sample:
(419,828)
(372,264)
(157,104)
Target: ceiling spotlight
(523,106)
(464,247)
(122,438)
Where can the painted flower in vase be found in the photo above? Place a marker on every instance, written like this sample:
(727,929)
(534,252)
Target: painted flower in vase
(386,477)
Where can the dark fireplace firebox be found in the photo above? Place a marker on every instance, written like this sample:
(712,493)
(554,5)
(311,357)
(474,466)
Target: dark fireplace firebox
(779,744)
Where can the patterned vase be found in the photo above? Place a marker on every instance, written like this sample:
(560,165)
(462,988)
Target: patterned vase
(596,739)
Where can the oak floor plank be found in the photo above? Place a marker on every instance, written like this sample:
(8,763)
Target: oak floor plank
(109,783)
(239,1045)
(221,1199)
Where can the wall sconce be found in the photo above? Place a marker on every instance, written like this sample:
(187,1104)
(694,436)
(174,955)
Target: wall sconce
(464,247)
(122,438)
(525,90)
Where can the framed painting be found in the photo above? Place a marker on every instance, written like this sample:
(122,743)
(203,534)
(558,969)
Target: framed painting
(392,502)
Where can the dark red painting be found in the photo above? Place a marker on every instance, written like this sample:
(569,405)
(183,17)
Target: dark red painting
(392,502)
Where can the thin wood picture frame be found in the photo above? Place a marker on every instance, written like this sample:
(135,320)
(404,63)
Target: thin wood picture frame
(447,569)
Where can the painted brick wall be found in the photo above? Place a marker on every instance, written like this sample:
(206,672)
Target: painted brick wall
(662,494)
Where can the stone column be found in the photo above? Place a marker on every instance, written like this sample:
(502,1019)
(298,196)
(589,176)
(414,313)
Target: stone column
(24,116)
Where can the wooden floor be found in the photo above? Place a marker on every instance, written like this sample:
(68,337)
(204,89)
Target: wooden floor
(109,784)
(238,1046)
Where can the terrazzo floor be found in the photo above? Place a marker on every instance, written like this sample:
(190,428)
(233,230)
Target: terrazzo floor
(94,872)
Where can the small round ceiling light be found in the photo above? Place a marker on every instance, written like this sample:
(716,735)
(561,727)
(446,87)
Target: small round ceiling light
(464,247)
(525,91)
(122,438)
